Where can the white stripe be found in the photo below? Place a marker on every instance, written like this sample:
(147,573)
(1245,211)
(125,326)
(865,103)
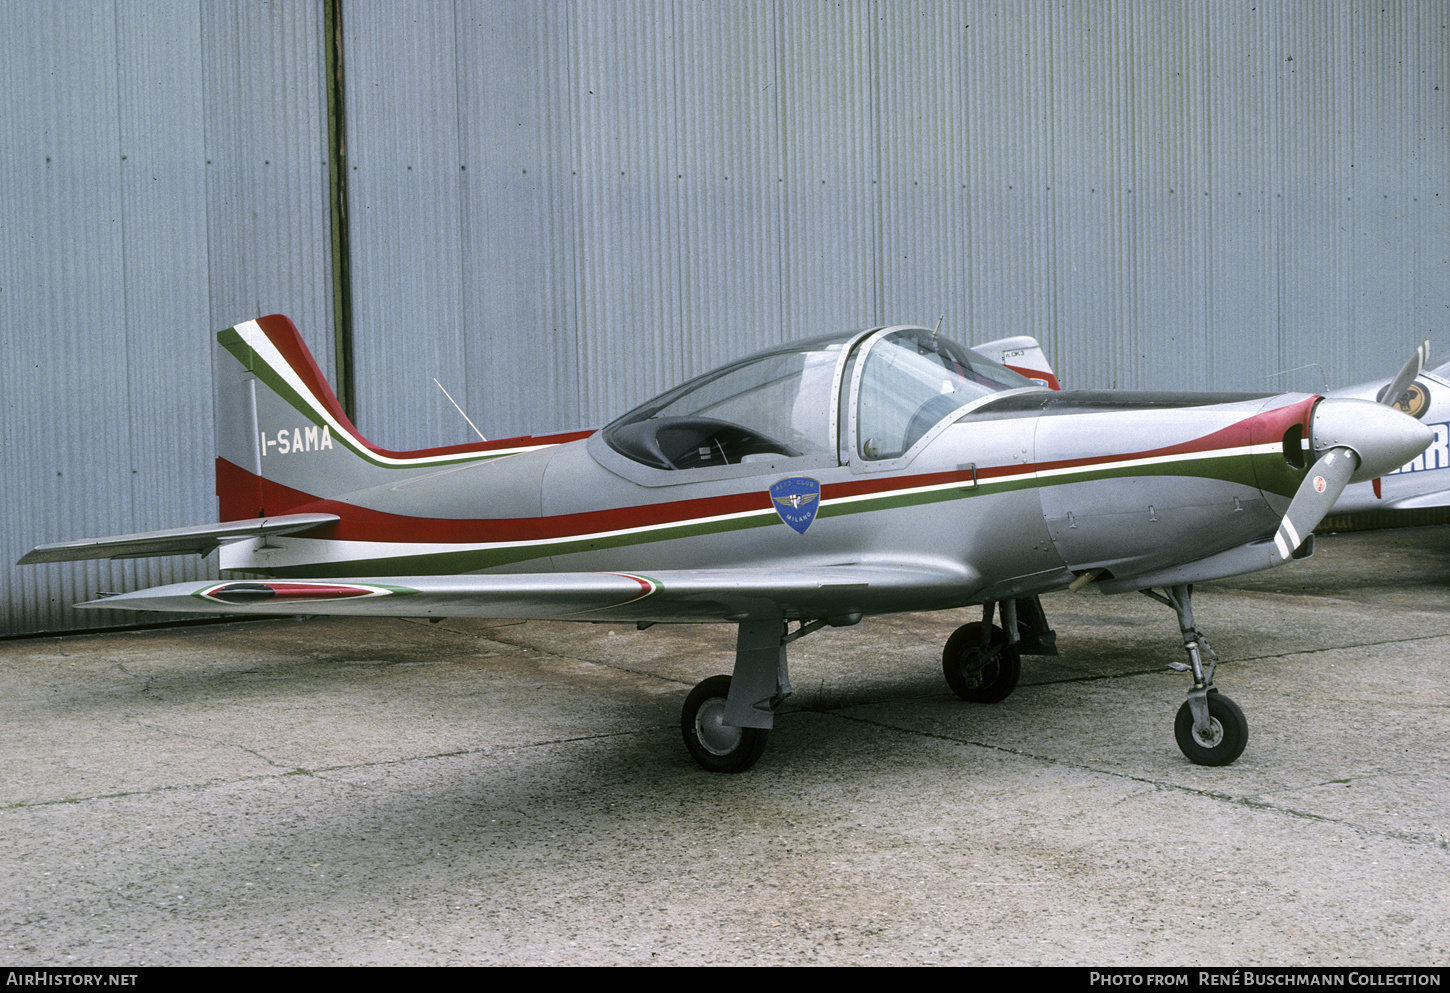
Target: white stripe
(1217,453)
(1222,453)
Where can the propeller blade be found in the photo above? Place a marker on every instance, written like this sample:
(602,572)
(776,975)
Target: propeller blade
(1395,392)
(1326,480)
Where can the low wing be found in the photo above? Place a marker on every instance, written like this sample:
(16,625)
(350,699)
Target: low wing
(840,593)
(178,541)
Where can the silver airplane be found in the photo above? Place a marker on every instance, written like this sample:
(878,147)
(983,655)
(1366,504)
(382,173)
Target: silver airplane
(809,485)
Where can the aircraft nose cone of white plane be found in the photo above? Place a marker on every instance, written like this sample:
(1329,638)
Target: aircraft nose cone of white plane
(1382,437)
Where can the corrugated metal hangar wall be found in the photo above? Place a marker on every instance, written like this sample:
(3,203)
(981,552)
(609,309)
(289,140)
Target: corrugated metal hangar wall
(558,209)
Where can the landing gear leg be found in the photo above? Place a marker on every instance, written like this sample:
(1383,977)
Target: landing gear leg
(727,719)
(1210,728)
(982,662)
(1037,636)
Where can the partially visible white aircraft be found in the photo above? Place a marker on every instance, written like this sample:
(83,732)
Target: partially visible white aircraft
(1024,356)
(1424,481)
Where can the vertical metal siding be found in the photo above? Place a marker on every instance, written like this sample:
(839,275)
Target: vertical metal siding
(1316,92)
(405,197)
(512,180)
(160,181)
(62,231)
(268,222)
(1163,193)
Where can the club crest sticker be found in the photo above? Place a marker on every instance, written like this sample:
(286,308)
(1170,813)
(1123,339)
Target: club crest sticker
(796,500)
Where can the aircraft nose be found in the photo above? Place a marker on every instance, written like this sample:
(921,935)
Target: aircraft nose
(1382,437)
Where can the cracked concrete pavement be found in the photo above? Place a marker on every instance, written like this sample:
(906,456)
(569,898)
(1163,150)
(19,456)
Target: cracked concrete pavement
(398,792)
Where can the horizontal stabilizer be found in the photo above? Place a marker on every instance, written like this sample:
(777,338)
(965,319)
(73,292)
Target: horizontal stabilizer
(177,541)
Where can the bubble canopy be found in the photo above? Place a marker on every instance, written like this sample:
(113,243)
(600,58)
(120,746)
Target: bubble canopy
(869,395)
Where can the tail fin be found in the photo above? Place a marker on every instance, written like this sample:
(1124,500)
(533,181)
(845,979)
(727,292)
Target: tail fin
(1022,354)
(284,444)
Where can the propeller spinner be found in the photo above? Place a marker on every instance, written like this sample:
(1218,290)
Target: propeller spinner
(1356,440)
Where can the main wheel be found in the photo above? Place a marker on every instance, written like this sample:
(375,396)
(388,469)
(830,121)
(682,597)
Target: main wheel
(1225,738)
(718,746)
(988,677)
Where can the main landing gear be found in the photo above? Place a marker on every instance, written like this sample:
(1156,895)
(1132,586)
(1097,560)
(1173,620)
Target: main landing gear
(727,719)
(982,662)
(714,744)
(1210,728)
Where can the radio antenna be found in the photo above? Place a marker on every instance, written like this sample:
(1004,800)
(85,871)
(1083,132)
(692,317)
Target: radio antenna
(459,409)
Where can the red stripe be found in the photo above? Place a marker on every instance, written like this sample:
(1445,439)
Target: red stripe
(1265,428)
(364,524)
(645,588)
(298,591)
(1037,374)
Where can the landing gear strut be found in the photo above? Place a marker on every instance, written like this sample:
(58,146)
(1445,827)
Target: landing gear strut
(979,664)
(1210,728)
(727,719)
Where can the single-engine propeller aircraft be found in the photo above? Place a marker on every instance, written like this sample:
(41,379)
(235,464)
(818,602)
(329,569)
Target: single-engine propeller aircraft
(811,484)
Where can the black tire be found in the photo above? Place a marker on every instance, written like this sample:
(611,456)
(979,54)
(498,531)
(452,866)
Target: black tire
(1229,735)
(717,746)
(975,680)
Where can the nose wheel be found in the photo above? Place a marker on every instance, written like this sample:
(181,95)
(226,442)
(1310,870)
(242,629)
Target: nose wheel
(1217,741)
(1210,728)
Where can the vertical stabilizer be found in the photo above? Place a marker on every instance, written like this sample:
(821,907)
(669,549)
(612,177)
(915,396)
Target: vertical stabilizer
(284,443)
(1022,354)
(282,438)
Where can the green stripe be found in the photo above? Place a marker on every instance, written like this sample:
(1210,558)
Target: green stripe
(1235,469)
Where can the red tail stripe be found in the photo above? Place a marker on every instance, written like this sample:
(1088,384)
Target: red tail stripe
(1046,377)
(285,337)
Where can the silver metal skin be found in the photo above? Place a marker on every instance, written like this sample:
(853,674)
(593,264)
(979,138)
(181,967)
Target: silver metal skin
(1381,438)
(716,735)
(814,484)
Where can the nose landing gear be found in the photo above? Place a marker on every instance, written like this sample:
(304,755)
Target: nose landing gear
(1210,728)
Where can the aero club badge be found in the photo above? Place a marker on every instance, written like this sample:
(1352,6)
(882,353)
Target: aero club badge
(796,499)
